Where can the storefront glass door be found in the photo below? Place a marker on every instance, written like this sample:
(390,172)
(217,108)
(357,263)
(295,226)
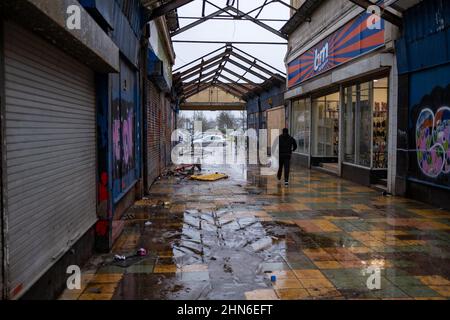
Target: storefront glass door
(365,124)
(325,124)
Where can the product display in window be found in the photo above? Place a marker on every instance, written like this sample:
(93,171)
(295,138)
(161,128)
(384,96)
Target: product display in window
(366,124)
(325,121)
(380,131)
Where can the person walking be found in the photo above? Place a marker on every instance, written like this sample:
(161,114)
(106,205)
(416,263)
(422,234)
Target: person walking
(287,145)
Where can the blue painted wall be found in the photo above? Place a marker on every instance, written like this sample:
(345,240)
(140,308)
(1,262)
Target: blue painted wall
(425,41)
(271,98)
(423,55)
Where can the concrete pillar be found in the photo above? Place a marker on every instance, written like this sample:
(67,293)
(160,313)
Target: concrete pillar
(393,120)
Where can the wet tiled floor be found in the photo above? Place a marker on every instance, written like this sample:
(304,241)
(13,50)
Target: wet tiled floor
(322,237)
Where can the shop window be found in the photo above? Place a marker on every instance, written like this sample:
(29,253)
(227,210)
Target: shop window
(300,124)
(365,124)
(363,132)
(380,124)
(325,120)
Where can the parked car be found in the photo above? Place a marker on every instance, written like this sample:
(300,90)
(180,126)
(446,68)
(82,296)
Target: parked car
(211,141)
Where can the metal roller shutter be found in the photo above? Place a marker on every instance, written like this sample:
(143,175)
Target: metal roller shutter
(51,154)
(153,133)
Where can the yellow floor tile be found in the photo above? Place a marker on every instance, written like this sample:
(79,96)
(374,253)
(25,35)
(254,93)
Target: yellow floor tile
(316,283)
(360,208)
(283,274)
(309,274)
(95,296)
(359,250)
(327,226)
(324,293)
(301,207)
(317,254)
(431,213)
(293,294)
(262,294)
(434,280)
(165,254)
(107,278)
(165,269)
(328,265)
(442,290)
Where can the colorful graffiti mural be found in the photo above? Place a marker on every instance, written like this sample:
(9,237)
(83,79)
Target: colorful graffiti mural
(432,141)
(429,135)
(124,132)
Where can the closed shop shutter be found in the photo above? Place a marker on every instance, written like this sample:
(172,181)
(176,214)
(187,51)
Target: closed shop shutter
(153,133)
(51,154)
(163,131)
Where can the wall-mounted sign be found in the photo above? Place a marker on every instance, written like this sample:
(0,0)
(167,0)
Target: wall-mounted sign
(356,38)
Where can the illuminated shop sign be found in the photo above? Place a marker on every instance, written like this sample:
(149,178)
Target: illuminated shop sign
(354,39)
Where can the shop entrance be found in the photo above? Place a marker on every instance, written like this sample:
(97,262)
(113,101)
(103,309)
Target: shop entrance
(325,132)
(366,132)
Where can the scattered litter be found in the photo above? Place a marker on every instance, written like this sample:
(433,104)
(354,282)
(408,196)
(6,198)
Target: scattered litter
(119,258)
(210,177)
(141,252)
(184,170)
(273,278)
(148,223)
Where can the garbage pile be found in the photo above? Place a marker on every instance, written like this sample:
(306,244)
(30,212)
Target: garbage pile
(189,171)
(183,171)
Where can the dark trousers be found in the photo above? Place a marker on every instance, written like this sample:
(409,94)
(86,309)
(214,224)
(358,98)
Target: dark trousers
(285,162)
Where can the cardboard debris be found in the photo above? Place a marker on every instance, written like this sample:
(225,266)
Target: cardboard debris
(209,177)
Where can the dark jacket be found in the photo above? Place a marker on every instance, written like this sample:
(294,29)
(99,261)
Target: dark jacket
(287,145)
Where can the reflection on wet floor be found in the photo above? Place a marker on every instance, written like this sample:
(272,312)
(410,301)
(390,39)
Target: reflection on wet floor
(227,239)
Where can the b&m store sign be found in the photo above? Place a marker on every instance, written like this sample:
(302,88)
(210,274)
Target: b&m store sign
(361,35)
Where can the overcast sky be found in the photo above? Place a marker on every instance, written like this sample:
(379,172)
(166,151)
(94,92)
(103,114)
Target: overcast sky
(236,30)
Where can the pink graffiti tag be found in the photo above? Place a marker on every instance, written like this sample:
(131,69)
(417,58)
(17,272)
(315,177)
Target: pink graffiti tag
(116,139)
(127,138)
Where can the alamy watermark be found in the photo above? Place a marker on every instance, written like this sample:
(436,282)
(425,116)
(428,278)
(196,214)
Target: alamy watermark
(374,21)
(74,280)
(374,280)
(232,148)
(73,20)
